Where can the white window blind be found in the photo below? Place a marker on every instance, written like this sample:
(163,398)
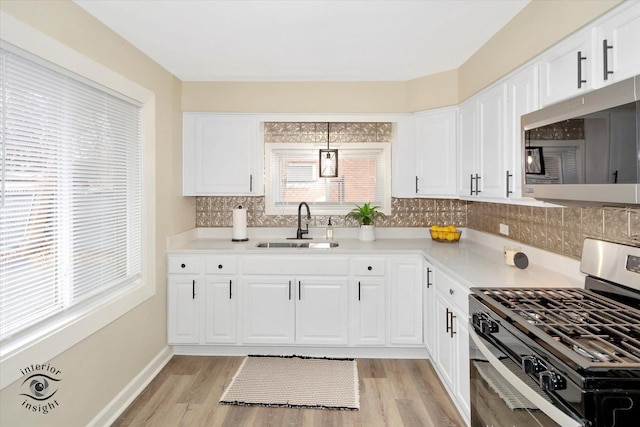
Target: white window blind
(71,193)
(362,177)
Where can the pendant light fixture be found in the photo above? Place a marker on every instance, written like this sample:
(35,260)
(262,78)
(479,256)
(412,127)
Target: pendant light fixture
(328,159)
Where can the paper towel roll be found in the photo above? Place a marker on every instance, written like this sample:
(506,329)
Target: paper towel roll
(239,224)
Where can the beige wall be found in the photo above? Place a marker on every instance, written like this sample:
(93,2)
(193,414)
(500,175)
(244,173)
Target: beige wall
(95,370)
(540,25)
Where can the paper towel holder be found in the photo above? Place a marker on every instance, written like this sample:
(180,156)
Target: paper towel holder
(246,239)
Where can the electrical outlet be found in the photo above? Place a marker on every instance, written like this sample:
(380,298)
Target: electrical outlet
(504,229)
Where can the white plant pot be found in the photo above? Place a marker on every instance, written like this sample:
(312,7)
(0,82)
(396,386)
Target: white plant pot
(367,233)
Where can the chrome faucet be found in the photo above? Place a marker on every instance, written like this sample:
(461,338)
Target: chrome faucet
(300,232)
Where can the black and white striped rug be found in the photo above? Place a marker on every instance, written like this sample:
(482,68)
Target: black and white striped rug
(295,382)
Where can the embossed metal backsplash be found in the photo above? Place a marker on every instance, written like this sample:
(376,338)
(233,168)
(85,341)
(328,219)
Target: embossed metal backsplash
(557,229)
(217,212)
(311,132)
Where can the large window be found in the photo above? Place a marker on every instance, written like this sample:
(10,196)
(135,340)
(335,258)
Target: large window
(71,195)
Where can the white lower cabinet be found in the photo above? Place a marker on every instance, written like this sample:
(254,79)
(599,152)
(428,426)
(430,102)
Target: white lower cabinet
(451,355)
(220,310)
(295,310)
(429,306)
(369,314)
(322,314)
(183,316)
(268,310)
(406,300)
(201,300)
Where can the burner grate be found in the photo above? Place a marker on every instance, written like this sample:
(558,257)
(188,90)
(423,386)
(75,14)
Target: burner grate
(592,326)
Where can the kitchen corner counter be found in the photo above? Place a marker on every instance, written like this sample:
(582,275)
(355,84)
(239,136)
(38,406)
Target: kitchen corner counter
(476,261)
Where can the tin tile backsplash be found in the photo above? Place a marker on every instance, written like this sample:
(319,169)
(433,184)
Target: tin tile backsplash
(556,229)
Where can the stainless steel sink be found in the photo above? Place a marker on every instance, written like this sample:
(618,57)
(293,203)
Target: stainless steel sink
(309,245)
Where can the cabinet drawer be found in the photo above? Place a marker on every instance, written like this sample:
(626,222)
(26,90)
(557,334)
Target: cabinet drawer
(184,264)
(368,267)
(221,265)
(453,291)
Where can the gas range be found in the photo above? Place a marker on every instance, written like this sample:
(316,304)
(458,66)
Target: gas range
(580,348)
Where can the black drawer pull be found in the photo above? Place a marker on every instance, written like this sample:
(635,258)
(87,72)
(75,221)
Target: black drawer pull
(219,266)
(369,268)
(183,265)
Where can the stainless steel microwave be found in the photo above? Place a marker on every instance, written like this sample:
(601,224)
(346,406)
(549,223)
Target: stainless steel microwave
(585,149)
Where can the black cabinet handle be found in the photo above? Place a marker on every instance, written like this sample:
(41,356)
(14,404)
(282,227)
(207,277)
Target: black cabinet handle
(359,286)
(416,184)
(369,268)
(580,59)
(509,175)
(289,290)
(219,266)
(605,59)
(193,289)
(429,278)
(452,317)
(447,319)
(471,185)
(478,178)
(615,177)
(183,265)
(230,294)
(299,293)
(250,183)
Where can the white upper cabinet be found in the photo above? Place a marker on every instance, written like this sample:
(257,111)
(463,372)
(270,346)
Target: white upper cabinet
(467,142)
(221,155)
(618,44)
(522,98)
(481,139)
(435,153)
(566,69)
(603,53)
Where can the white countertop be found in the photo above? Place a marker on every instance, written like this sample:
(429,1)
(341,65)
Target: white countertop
(476,261)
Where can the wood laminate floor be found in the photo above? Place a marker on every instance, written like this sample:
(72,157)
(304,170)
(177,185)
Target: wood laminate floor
(393,392)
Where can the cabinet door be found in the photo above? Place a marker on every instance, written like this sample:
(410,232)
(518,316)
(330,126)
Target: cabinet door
(220,155)
(429,307)
(621,33)
(522,98)
(562,74)
(462,373)
(467,142)
(322,314)
(406,301)
(220,296)
(268,310)
(369,312)
(491,113)
(445,345)
(435,153)
(183,315)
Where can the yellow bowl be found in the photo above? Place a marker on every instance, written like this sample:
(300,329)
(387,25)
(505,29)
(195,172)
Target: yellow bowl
(446,236)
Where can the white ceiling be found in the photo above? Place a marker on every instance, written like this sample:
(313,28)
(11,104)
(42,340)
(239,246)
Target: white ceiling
(305,40)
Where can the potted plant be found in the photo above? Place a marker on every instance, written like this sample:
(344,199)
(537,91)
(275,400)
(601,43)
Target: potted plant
(366,216)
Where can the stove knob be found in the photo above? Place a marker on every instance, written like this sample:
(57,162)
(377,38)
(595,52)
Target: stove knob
(488,326)
(476,318)
(531,365)
(550,380)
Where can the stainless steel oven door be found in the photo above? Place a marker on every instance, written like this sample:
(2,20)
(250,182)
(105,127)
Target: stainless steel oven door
(502,396)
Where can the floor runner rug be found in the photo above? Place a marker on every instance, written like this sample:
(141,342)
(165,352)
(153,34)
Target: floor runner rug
(295,382)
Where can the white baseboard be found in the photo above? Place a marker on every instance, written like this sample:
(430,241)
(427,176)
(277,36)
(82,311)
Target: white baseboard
(117,406)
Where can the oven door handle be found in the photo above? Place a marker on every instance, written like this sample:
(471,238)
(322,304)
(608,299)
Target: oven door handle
(548,408)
